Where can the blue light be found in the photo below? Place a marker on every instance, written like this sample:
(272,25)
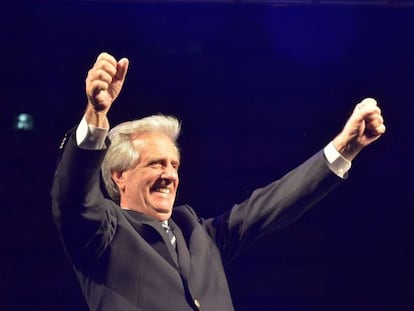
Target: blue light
(24,122)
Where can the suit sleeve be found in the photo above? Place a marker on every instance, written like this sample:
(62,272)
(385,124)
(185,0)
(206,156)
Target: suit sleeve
(85,219)
(272,207)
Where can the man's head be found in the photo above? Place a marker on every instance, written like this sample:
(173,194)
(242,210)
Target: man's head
(140,169)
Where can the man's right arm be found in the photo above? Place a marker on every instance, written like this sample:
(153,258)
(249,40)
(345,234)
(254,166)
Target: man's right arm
(82,214)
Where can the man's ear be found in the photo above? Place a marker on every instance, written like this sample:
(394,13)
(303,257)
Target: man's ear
(119,179)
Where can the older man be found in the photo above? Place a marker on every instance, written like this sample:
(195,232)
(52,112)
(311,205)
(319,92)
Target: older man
(113,198)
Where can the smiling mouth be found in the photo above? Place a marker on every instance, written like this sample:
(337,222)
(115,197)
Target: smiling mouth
(162,190)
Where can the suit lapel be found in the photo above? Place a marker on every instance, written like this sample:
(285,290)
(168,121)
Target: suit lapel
(153,233)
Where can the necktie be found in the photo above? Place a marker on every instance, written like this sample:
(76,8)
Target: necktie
(169,233)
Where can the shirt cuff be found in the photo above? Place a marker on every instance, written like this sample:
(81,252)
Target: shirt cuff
(336,162)
(90,137)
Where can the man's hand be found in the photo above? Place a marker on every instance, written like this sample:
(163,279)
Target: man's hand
(103,85)
(365,126)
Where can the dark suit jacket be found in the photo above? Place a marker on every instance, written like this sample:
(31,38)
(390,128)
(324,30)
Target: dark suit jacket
(123,259)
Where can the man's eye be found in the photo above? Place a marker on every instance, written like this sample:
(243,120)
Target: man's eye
(155,164)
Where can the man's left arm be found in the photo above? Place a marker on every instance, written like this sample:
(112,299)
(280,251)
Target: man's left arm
(285,200)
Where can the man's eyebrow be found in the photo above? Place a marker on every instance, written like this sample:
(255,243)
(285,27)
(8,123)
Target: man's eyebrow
(162,159)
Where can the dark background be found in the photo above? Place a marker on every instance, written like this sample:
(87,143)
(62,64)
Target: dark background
(259,88)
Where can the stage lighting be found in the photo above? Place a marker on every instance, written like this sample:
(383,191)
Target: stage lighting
(24,122)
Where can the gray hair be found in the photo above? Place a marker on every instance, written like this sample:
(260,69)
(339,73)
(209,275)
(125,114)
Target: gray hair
(122,155)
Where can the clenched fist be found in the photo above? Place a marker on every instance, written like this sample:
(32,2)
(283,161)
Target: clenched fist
(103,85)
(365,126)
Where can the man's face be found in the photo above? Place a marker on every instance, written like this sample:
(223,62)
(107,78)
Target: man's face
(151,186)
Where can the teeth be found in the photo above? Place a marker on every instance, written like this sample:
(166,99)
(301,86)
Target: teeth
(164,190)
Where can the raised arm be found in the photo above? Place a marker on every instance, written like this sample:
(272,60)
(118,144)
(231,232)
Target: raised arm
(80,211)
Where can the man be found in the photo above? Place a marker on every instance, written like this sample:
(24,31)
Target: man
(130,250)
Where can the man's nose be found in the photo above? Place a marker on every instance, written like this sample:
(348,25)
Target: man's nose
(170,173)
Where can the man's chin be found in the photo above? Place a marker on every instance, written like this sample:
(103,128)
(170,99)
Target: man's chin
(163,213)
